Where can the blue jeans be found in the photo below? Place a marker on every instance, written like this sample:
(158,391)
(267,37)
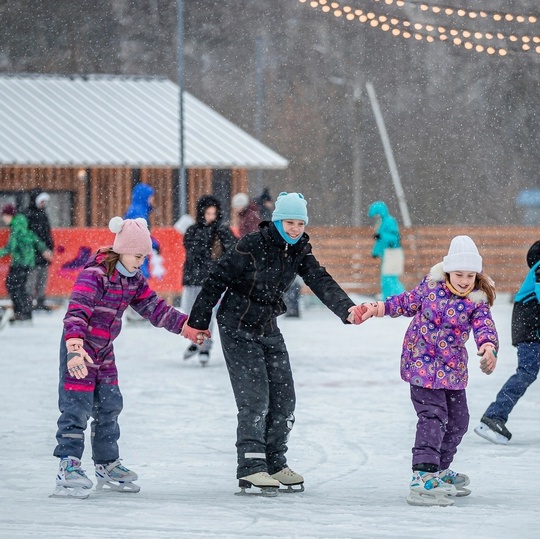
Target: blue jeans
(102,401)
(517,384)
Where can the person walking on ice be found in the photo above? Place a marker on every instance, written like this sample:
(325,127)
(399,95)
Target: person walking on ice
(526,337)
(254,275)
(453,298)
(109,283)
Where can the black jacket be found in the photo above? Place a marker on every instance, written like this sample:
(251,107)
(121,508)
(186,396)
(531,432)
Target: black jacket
(38,222)
(256,273)
(205,243)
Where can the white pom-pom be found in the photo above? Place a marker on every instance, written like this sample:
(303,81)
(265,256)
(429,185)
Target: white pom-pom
(142,221)
(116,224)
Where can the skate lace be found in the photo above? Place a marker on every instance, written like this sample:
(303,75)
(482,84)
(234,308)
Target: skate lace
(74,466)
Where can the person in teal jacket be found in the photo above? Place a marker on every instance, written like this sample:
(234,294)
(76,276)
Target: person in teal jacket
(21,245)
(387,247)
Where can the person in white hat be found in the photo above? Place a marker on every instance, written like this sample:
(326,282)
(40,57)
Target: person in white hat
(453,298)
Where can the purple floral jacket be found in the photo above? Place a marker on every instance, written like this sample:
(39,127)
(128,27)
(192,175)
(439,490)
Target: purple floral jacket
(434,354)
(97,303)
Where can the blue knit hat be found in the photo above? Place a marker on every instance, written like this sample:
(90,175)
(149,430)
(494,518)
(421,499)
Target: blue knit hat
(290,206)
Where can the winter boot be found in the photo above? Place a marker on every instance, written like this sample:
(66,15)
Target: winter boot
(268,485)
(115,477)
(289,479)
(459,480)
(427,489)
(493,430)
(71,480)
(191,350)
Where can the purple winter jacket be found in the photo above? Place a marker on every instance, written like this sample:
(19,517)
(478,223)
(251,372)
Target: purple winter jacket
(434,354)
(97,303)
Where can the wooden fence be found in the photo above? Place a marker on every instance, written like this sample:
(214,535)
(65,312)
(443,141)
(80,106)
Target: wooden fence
(346,253)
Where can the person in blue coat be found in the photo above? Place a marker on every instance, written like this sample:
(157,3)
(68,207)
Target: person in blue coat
(387,247)
(142,200)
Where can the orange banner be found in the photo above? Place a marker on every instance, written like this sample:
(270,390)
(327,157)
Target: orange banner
(73,247)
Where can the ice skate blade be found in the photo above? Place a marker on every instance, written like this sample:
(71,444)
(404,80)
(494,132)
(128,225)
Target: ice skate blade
(105,487)
(426,500)
(461,492)
(267,492)
(290,490)
(491,436)
(77,493)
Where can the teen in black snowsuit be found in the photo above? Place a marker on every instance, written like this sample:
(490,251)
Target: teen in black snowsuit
(254,275)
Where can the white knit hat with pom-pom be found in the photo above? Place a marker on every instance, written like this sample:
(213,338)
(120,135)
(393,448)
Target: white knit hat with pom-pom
(132,236)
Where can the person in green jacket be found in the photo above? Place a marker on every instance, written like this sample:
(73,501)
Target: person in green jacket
(388,248)
(21,245)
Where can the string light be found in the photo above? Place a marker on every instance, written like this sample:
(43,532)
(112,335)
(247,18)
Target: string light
(462,37)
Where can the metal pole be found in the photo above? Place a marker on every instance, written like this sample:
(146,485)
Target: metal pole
(180,65)
(389,155)
(260,44)
(357,160)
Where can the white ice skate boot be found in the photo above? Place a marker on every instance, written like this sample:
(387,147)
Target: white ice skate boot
(289,479)
(115,477)
(5,315)
(71,481)
(204,358)
(268,485)
(428,489)
(191,350)
(459,480)
(493,430)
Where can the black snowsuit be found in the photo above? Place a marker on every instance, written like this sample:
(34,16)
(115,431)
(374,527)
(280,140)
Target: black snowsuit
(204,243)
(38,223)
(255,274)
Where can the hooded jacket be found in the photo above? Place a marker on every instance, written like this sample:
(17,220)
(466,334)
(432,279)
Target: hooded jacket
(434,354)
(140,204)
(387,234)
(255,274)
(205,243)
(22,243)
(98,301)
(38,222)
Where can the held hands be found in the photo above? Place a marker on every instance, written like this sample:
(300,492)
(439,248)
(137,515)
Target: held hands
(356,313)
(489,357)
(77,356)
(196,336)
(360,313)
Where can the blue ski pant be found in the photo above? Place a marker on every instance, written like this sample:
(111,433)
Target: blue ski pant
(263,387)
(97,396)
(528,354)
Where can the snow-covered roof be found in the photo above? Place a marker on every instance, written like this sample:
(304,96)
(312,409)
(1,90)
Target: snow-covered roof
(106,120)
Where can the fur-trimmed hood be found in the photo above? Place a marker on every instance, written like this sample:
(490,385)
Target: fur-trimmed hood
(436,273)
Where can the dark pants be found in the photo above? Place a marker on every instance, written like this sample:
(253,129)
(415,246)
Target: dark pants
(526,373)
(16,287)
(263,387)
(96,398)
(443,419)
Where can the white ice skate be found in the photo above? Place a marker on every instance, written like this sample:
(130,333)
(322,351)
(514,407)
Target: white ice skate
(459,480)
(204,358)
(115,477)
(71,481)
(427,489)
(289,479)
(5,314)
(191,350)
(268,485)
(493,430)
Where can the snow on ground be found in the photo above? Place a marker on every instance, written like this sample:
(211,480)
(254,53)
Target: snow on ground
(354,430)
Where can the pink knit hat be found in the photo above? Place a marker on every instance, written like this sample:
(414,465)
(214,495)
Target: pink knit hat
(132,236)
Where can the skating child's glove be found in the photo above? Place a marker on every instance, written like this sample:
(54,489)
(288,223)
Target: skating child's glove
(489,357)
(356,312)
(373,309)
(196,336)
(77,356)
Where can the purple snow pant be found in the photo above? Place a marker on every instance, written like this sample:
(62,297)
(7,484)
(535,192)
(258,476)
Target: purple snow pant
(443,419)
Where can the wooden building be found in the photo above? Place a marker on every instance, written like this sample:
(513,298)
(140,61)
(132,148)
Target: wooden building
(87,140)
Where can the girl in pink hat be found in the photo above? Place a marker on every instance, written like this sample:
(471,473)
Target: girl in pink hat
(110,282)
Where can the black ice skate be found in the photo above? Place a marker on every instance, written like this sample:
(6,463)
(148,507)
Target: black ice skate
(268,485)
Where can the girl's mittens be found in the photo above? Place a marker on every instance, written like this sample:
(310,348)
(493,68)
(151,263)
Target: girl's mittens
(356,312)
(489,358)
(373,309)
(196,336)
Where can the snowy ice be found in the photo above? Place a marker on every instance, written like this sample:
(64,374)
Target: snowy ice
(352,442)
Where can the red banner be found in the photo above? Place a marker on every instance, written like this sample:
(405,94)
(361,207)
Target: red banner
(73,247)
